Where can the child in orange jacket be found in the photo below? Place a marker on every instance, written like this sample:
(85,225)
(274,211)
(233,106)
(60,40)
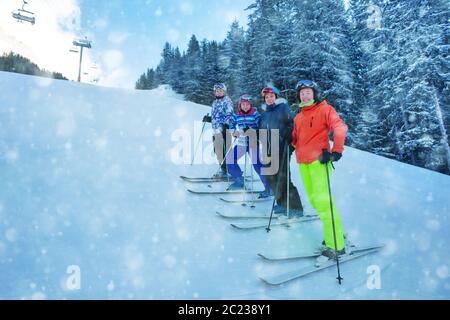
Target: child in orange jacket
(312,126)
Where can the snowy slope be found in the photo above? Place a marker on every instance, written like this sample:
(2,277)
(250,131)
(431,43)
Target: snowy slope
(86,179)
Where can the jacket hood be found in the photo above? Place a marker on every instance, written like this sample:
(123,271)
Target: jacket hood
(278,101)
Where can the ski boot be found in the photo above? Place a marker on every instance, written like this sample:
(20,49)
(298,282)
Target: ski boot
(265,194)
(237,184)
(328,254)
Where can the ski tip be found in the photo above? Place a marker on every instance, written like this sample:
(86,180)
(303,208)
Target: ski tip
(268,282)
(219,214)
(262,256)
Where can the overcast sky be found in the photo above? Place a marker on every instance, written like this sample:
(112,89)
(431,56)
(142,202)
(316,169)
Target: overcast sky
(127,35)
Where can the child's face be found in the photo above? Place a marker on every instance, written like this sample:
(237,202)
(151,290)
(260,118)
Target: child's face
(306,95)
(219,93)
(270,98)
(245,106)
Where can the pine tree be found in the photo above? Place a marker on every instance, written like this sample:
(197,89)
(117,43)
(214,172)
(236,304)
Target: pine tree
(321,51)
(259,48)
(376,130)
(366,39)
(192,87)
(166,62)
(177,73)
(420,138)
(231,59)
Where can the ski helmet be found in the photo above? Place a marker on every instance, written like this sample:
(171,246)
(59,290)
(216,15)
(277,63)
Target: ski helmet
(270,89)
(307,84)
(245,97)
(220,86)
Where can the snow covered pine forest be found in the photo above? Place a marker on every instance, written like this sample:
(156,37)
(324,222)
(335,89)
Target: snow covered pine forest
(384,65)
(91,201)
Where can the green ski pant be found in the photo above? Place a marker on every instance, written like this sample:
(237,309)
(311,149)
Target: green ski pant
(314,177)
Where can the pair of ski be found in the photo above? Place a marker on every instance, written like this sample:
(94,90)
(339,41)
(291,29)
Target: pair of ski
(212,190)
(278,221)
(278,279)
(211,179)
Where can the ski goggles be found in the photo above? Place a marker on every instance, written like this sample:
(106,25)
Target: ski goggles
(269,90)
(246,97)
(305,84)
(220,86)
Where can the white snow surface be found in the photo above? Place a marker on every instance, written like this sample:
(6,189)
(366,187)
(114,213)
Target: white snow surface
(87,180)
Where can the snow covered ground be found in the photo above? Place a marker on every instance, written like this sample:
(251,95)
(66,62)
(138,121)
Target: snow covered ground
(87,183)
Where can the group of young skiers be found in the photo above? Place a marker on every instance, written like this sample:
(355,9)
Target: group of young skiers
(306,132)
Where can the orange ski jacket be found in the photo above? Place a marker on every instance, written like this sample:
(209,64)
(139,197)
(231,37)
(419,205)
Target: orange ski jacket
(311,129)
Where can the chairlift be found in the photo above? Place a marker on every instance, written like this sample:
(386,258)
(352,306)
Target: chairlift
(24,15)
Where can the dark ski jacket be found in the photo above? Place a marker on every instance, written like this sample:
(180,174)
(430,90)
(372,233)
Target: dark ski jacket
(278,116)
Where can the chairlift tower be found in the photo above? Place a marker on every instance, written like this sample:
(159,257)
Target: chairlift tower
(82,43)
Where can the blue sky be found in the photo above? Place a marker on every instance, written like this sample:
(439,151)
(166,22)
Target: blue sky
(127,35)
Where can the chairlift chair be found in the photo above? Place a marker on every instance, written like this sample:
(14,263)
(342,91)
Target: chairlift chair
(24,15)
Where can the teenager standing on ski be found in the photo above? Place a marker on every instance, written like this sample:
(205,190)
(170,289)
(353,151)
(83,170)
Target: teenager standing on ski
(221,117)
(312,127)
(244,127)
(278,115)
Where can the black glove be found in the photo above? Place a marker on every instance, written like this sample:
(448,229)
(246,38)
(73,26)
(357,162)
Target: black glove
(335,156)
(207,118)
(325,157)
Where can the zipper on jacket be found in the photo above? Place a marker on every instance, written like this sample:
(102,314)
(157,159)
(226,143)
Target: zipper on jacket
(312,118)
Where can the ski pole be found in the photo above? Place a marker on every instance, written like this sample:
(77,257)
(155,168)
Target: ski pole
(199,139)
(276,192)
(287,177)
(252,196)
(251,177)
(252,201)
(245,168)
(234,143)
(339,278)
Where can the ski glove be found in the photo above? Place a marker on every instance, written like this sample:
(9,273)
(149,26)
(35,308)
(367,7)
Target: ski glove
(207,118)
(335,156)
(326,156)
